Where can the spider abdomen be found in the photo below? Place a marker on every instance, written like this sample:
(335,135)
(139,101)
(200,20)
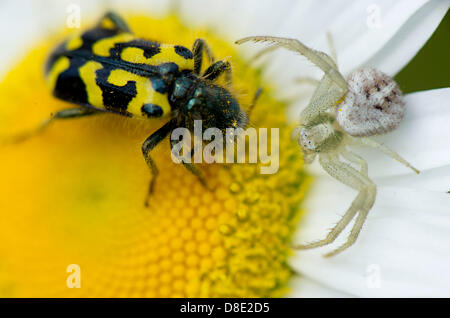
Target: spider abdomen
(373,104)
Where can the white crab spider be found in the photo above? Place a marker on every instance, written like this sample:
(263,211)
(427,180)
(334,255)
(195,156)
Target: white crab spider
(343,113)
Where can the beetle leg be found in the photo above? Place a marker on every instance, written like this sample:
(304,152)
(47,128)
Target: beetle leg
(255,99)
(118,22)
(216,69)
(190,166)
(62,114)
(150,143)
(200,46)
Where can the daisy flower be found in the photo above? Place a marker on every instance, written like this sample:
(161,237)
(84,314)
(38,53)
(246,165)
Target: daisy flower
(72,198)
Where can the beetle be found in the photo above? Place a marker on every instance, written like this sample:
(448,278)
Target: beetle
(108,69)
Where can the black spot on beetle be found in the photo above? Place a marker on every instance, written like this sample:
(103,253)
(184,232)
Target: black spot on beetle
(92,36)
(115,98)
(150,48)
(151,110)
(184,52)
(69,85)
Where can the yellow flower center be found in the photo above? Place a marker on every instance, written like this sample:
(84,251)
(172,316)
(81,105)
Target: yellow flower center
(75,195)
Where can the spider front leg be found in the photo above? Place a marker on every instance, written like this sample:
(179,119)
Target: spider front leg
(332,50)
(330,90)
(320,59)
(307,80)
(326,96)
(360,206)
(276,46)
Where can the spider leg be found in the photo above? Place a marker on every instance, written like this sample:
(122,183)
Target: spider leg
(265,51)
(200,46)
(360,206)
(388,152)
(331,89)
(352,157)
(339,227)
(325,97)
(274,47)
(320,59)
(307,80)
(359,222)
(331,47)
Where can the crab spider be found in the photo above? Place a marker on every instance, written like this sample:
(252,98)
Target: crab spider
(343,113)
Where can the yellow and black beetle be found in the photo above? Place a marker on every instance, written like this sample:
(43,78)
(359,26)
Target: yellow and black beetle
(108,69)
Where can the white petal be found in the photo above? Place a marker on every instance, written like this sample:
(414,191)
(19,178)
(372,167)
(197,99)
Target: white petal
(437,179)
(28,21)
(235,18)
(360,29)
(404,45)
(304,287)
(402,250)
(154,7)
